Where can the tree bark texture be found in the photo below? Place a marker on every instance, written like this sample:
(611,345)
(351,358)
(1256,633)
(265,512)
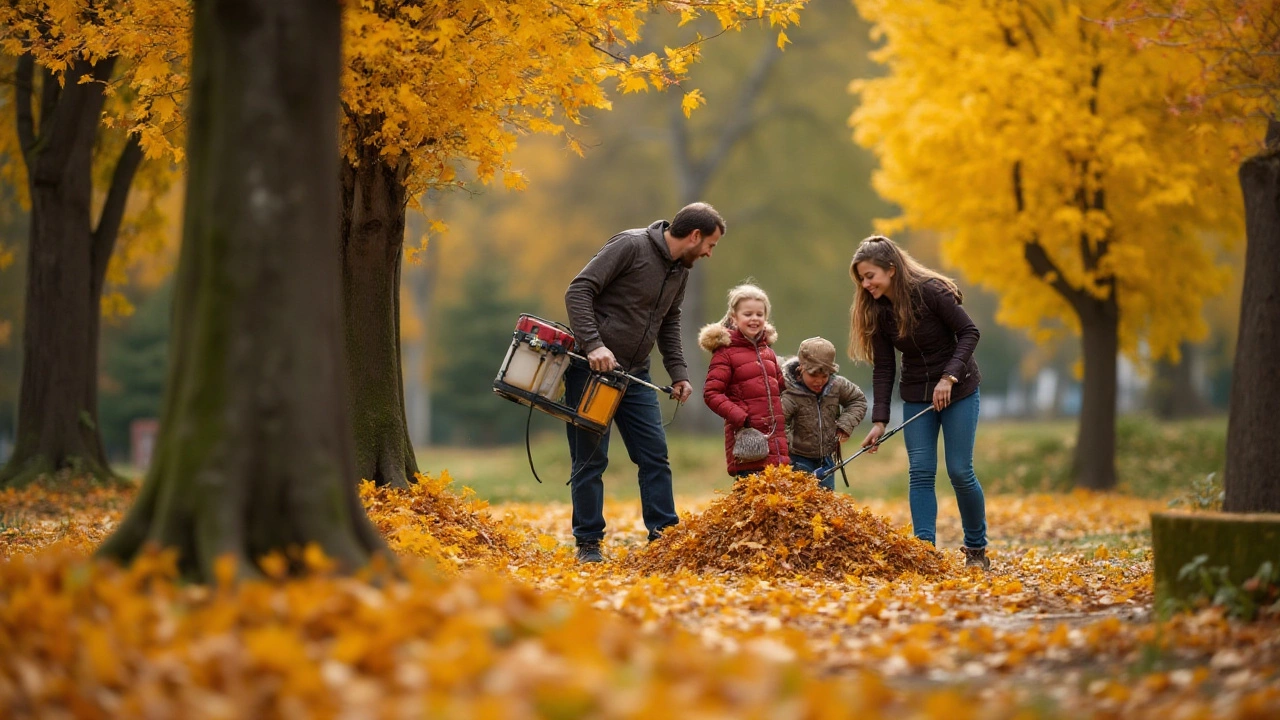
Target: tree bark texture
(255,452)
(1173,393)
(67,260)
(373,222)
(1099,315)
(1094,465)
(1095,459)
(1251,478)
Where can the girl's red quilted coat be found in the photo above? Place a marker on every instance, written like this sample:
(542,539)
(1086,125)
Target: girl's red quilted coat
(745,379)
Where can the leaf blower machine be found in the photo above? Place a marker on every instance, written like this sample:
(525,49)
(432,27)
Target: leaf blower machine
(532,374)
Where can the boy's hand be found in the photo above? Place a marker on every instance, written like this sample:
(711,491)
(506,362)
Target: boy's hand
(842,435)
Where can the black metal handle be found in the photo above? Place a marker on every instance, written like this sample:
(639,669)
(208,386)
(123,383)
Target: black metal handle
(668,389)
(828,473)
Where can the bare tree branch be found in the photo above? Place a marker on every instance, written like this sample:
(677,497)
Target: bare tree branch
(695,173)
(742,118)
(23,79)
(66,113)
(50,91)
(1042,266)
(108,229)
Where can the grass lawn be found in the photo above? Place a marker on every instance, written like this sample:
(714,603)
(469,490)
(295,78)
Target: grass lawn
(1154,459)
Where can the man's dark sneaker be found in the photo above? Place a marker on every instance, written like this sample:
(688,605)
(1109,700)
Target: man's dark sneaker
(976,557)
(589,552)
(657,534)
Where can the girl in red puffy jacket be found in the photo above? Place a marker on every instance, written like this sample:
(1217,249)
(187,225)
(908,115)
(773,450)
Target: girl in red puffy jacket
(744,383)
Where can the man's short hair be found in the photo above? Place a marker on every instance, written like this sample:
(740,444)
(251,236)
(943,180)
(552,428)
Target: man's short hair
(696,216)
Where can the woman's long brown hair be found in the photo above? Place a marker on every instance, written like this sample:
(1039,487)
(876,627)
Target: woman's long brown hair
(904,286)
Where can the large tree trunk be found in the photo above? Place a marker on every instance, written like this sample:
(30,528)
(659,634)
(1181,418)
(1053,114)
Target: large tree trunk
(694,174)
(255,452)
(373,220)
(66,267)
(1095,456)
(1173,393)
(1253,454)
(1095,459)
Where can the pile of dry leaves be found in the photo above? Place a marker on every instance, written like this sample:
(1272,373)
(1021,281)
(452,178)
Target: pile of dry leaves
(780,522)
(431,520)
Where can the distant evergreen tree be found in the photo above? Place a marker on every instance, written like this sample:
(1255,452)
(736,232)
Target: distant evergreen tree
(13,282)
(476,333)
(134,370)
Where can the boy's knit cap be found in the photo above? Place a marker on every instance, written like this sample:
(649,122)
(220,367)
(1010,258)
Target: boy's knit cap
(818,355)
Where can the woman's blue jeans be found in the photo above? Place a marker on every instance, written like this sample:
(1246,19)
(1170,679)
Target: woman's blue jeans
(959,425)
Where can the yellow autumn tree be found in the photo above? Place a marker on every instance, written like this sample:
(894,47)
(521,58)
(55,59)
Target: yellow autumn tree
(430,89)
(91,97)
(1235,44)
(1041,144)
(436,95)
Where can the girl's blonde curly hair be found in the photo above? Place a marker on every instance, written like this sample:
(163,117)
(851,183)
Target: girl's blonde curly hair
(745,291)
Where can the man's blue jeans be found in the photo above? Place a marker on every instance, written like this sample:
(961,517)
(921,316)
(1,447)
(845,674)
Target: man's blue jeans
(959,425)
(639,421)
(815,465)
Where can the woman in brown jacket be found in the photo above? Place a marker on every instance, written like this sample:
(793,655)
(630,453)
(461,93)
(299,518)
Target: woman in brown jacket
(903,306)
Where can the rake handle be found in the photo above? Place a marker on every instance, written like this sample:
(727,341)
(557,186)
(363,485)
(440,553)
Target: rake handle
(828,473)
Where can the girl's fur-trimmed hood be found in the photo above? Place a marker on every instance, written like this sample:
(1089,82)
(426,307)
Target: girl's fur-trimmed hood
(791,372)
(714,336)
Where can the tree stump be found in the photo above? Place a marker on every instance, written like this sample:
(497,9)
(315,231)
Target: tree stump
(1240,542)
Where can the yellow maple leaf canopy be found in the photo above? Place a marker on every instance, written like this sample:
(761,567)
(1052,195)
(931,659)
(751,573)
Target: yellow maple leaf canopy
(451,84)
(1016,125)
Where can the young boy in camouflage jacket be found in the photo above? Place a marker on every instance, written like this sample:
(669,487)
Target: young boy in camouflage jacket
(821,407)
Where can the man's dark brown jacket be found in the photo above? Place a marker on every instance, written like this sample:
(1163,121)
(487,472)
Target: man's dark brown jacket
(628,297)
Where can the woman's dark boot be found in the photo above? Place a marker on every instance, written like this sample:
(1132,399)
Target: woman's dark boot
(976,557)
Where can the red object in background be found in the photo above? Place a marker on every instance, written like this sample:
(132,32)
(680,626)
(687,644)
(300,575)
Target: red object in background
(142,441)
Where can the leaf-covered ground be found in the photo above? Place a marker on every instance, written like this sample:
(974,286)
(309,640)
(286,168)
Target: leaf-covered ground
(765,602)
